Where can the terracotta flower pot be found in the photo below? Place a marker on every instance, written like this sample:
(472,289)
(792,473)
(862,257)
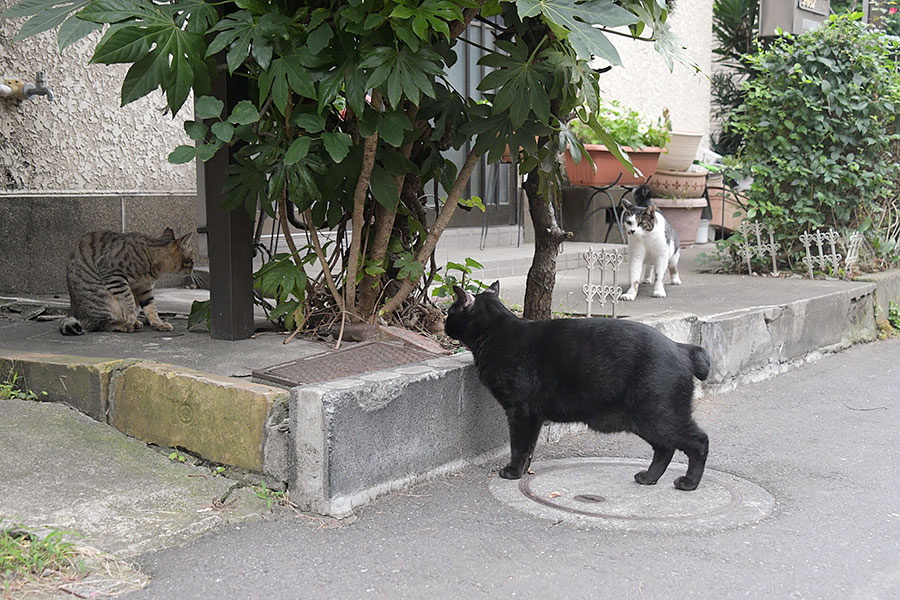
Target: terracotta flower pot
(680,151)
(609,167)
(683,214)
(724,204)
(678,184)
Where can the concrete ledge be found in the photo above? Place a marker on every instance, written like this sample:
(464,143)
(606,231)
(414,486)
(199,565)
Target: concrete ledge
(220,418)
(887,290)
(79,381)
(747,340)
(357,438)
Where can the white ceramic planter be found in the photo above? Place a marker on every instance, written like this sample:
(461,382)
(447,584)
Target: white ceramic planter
(680,151)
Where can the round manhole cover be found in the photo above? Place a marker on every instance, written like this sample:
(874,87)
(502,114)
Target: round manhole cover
(601,492)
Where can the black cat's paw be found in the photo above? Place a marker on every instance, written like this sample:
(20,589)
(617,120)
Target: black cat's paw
(683,483)
(644,479)
(510,472)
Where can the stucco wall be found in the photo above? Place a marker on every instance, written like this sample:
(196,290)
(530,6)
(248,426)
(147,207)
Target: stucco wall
(645,83)
(82,141)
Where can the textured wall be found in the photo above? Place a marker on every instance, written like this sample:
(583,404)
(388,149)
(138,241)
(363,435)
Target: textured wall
(82,141)
(645,83)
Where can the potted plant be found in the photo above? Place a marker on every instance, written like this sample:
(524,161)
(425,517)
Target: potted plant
(641,139)
(725,200)
(681,150)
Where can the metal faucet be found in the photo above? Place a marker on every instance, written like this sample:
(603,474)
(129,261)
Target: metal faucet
(38,88)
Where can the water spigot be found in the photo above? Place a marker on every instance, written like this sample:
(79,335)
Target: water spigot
(38,88)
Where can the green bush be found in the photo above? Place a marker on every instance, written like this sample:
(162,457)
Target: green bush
(820,133)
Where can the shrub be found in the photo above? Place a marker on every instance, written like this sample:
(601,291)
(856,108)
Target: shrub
(820,131)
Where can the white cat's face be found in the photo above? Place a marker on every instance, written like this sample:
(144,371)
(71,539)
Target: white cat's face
(631,225)
(639,222)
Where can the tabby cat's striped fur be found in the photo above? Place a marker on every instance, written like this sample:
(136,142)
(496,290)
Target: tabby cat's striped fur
(110,274)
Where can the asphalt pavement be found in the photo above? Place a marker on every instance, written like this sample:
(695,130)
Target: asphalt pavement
(820,441)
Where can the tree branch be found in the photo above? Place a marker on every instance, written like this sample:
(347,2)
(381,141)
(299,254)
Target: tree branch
(370,146)
(329,279)
(459,27)
(437,229)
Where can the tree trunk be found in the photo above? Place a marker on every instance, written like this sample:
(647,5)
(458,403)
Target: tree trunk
(547,238)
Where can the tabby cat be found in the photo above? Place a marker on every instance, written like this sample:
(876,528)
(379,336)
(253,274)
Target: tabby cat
(110,274)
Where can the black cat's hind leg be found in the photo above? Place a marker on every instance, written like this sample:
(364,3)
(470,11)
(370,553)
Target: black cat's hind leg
(662,456)
(523,435)
(696,446)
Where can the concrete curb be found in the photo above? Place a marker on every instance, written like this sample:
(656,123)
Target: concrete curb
(221,419)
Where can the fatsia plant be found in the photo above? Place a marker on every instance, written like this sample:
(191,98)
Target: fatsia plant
(349,115)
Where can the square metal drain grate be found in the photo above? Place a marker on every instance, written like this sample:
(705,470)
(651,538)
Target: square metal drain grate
(355,360)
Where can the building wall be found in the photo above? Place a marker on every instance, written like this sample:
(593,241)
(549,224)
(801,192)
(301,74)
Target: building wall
(644,81)
(83,140)
(81,162)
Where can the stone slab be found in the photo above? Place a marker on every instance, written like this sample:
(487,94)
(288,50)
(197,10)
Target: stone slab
(746,340)
(63,470)
(221,419)
(79,381)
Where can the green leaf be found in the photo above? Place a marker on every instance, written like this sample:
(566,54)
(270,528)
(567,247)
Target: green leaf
(126,45)
(196,130)
(309,122)
(207,151)
(223,130)
(244,113)
(200,311)
(337,145)
(182,154)
(146,75)
(74,29)
(297,150)
(384,188)
(115,11)
(319,37)
(392,125)
(577,21)
(45,15)
(208,107)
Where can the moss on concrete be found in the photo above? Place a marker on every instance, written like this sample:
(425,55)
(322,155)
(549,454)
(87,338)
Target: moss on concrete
(219,418)
(81,382)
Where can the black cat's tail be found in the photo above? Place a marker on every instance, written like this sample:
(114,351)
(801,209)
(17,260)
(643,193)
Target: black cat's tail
(699,360)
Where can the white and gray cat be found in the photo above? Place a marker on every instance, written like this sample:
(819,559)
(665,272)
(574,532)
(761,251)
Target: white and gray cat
(653,249)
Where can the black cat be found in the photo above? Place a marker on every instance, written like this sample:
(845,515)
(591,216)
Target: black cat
(613,375)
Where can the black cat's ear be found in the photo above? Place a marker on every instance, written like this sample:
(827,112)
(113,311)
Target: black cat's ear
(494,287)
(463,298)
(168,233)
